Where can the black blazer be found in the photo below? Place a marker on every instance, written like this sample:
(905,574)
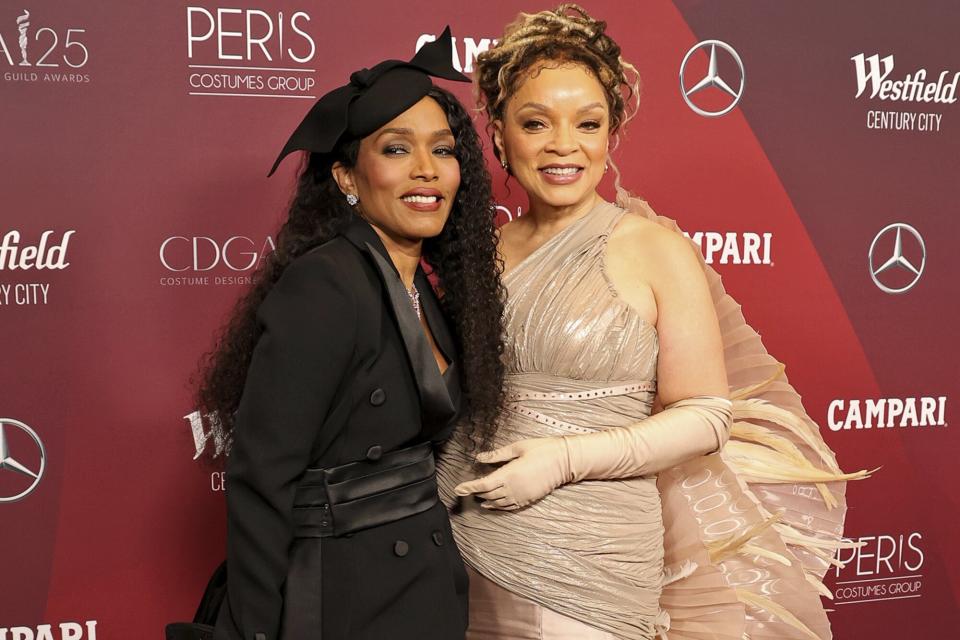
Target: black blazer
(342,367)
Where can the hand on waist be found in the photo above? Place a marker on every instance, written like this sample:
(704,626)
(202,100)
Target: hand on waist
(533,469)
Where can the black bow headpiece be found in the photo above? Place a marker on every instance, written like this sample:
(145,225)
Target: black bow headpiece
(372,98)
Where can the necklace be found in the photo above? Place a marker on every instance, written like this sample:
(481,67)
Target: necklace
(414,299)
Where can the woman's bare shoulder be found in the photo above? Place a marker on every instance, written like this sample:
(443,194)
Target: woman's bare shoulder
(647,246)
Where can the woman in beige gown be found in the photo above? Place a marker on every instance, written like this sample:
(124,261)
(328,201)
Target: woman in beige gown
(599,513)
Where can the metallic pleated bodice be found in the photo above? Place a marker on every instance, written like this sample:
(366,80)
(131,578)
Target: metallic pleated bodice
(579,359)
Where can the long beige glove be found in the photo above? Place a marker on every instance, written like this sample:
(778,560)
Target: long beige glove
(683,430)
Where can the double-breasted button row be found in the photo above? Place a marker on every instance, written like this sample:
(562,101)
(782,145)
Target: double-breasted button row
(377,397)
(402,547)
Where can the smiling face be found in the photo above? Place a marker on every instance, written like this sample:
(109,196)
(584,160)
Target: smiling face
(555,135)
(406,175)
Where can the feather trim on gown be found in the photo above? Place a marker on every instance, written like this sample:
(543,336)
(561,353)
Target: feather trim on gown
(750,533)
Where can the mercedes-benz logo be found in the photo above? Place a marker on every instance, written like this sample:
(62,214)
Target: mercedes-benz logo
(9,463)
(898,261)
(712,79)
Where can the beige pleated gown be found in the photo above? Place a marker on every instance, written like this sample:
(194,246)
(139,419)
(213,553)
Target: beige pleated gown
(588,561)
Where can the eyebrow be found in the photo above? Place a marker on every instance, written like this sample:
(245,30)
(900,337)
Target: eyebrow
(541,107)
(439,133)
(591,107)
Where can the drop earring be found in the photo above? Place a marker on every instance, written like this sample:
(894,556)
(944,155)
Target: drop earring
(352,199)
(506,167)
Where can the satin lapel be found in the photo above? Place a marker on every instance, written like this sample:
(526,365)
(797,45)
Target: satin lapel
(436,405)
(441,333)
(435,318)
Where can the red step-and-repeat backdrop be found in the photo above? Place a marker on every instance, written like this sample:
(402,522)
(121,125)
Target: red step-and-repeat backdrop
(135,138)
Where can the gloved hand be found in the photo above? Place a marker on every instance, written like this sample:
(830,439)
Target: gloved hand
(683,430)
(534,468)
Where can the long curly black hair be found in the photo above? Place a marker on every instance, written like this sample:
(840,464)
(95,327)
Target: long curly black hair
(463,259)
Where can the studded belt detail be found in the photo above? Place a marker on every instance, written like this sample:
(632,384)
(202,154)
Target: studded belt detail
(624,389)
(515,401)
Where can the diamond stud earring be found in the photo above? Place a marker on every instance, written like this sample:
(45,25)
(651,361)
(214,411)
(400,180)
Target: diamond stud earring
(352,199)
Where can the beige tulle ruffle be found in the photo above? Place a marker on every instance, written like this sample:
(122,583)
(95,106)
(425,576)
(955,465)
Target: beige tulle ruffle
(750,533)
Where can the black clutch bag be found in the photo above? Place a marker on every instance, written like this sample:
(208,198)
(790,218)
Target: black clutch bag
(206,617)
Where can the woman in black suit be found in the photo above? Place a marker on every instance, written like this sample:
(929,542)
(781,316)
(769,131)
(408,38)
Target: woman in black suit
(350,373)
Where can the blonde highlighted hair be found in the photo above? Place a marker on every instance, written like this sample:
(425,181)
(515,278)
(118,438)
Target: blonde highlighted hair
(565,35)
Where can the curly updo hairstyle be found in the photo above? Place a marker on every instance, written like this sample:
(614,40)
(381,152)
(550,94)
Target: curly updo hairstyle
(463,258)
(565,35)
